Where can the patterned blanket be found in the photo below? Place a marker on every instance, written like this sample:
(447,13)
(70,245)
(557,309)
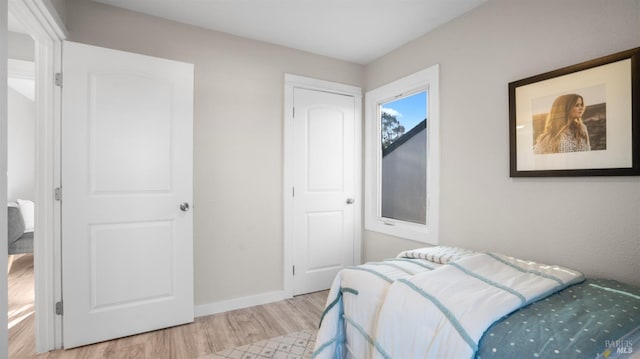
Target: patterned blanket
(597,316)
(410,308)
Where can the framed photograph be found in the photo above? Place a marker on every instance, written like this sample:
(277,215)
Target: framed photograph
(581,120)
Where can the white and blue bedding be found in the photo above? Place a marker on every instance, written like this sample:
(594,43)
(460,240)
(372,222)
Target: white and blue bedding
(417,308)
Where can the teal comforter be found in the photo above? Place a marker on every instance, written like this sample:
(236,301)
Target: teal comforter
(595,317)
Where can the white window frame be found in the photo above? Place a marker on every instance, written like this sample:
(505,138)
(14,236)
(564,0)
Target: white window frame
(427,79)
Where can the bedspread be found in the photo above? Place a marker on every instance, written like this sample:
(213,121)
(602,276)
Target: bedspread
(410,308)
(581,321)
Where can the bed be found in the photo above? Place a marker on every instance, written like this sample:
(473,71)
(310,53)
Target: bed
(444,302)
(20,227)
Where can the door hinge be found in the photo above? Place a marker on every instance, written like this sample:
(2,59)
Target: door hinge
(57,194)
(294,270)
(58,79)
(294,112)
(59,308)
(293,191)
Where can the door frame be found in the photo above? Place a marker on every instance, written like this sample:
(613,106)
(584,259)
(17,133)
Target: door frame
(290,83)
(43,23)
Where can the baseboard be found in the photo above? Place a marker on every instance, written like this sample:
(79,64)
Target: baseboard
(239,303)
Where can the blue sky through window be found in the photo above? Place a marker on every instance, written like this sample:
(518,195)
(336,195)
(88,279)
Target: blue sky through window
(409,111)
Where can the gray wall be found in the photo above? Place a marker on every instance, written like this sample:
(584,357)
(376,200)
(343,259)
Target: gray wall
(238,124)
(591,224)
(404,179)
(61,8)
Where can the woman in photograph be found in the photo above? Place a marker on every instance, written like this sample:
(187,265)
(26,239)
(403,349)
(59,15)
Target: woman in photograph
(564,130)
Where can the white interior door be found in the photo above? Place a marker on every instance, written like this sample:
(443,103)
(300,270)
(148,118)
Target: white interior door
(324,185)
(127,245)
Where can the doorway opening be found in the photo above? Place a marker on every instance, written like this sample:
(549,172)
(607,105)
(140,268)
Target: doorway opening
(21,189)
(38,22)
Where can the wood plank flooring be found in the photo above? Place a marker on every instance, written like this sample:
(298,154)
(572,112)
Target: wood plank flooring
(204,336)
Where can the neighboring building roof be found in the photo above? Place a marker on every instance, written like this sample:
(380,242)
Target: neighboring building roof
(404,138)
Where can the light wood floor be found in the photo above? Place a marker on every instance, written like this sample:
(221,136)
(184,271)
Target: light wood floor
(204,336)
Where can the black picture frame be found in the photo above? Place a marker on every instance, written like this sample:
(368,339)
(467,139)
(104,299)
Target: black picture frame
(611,145)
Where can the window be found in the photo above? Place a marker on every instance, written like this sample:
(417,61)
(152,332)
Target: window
(402,158)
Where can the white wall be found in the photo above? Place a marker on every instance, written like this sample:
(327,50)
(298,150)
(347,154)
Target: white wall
(21,146)
(591,224)
(21,125)
(238,124)
(21,46)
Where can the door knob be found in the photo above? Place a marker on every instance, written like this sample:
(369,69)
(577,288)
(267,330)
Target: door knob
(184,206)
(350,201)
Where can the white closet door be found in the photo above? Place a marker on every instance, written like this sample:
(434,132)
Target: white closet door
(324,182)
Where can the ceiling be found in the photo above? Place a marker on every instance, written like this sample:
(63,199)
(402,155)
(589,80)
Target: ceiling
(358,31)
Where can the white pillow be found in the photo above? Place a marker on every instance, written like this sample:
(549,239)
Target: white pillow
(27,211)
(437,254)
